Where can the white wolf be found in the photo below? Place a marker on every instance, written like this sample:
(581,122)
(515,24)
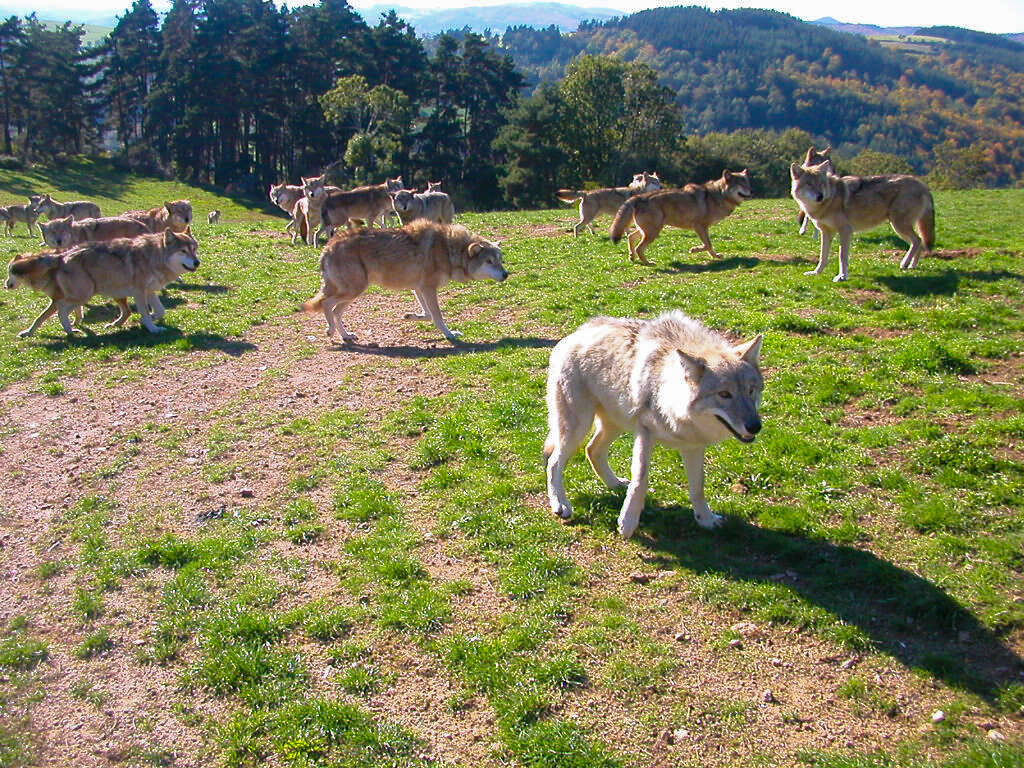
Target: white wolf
(668,380)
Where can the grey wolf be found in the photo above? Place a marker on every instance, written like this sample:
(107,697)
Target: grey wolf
(411,205)
(66,232)
(849,204)
(37,271)
(308,215)
(433,186)
(78,209)
(814,157)
(594,202)
(422,257)
(213,217)
(695,206)
(175,215)
(12,214)
(137,267)
(669,380)
(285,196)
(343,208)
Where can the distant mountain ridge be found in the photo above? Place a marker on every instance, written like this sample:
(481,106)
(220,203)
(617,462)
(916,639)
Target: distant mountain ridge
(873,30)
(492,17)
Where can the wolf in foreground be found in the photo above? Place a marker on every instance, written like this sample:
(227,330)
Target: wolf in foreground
(421,257)
(849,204)
(695,206)
(594,202)
(669,380)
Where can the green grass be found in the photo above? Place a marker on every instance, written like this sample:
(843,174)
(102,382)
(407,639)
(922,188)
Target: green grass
(877,517)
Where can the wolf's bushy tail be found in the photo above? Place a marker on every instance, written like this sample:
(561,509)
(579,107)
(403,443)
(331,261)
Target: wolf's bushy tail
(622,219)
(927,225)
(315,304)
(568,195)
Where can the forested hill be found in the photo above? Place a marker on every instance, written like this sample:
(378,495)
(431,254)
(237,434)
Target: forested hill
(735,69)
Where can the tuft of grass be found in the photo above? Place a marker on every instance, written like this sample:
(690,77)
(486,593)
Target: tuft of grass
(94,644)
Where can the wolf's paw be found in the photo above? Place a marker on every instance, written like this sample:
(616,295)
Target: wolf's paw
(25,334)
(414,316)
(157,329)
(620,482)
(709,520)
(628,525)
(840,278)
(563,511)
(349,338)
(812,272)
(453,335)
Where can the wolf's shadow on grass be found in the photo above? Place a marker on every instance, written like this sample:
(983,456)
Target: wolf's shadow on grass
(904,615)
(456,348)
(718,265)
(132,336)
(945,283)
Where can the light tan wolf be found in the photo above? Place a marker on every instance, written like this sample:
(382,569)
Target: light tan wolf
(15,213)
(38,271)
(77,209)
(66,232)
(128,267)
(175,215)
(594,202)
(213,217)
(308,211)
(850,204)
(344,208)
(814,157)
(411,205)
(420,257)
(285,196)
(695,206)
(669,380)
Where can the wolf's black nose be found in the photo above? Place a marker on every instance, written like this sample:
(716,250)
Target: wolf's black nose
(753,427)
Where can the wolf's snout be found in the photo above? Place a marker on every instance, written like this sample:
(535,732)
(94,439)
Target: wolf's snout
(819,197)
(753,427)
(504,276)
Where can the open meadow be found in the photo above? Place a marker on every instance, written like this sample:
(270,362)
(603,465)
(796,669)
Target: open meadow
(235,543)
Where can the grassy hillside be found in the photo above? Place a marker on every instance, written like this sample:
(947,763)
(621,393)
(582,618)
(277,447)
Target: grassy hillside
(747,68)
(252,547)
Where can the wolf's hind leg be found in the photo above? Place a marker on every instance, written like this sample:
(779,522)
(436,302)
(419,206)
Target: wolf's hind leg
(423,314)
(702,513)
(126,312)
(597,453)
(906,231)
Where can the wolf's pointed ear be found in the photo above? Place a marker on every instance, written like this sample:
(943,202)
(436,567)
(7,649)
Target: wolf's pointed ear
(794,170)
(822,167)
(694,366)
(750,351)
(744,172)
(827,150)
(474,248)
(169,207)
(188,230)
(809,155)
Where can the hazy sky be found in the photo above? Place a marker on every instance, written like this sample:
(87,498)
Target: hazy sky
(988,15)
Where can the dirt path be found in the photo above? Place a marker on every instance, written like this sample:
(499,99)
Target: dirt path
(110,440)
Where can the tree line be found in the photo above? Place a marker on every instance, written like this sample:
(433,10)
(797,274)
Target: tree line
(242,93)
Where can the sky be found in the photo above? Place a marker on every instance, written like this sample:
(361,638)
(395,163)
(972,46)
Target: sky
(987,15)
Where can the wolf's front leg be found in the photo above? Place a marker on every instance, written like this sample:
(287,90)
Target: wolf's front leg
(826,246)
(142,304)
(845,236)
(429,298)
(702,513)
(629,517)
(45,315)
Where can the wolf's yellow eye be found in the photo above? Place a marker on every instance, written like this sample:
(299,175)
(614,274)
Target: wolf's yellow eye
(725,395)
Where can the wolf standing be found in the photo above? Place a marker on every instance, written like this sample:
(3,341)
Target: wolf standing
(669,380)
(849,204)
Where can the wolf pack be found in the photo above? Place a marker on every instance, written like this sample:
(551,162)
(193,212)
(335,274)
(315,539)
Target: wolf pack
(667,380)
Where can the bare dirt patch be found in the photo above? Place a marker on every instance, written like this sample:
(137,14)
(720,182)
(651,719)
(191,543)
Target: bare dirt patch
(59,449)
